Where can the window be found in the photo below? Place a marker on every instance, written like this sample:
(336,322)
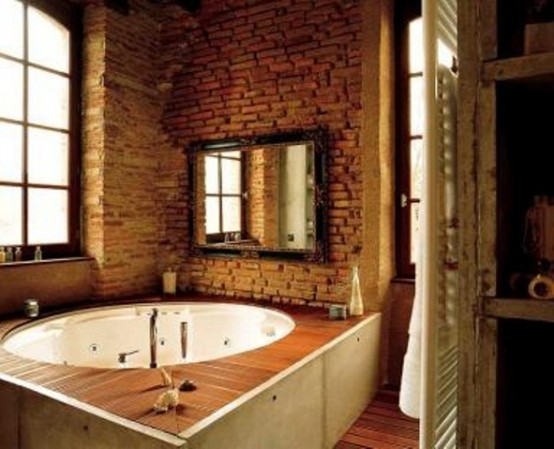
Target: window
(410,115)
(223,184)
(39,130)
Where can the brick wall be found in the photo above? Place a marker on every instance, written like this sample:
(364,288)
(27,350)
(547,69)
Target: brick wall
(262,178)
(159,78)
(121,142)
(239,69)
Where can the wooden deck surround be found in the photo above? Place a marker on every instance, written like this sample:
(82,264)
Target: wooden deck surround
(382,426)
(130,393)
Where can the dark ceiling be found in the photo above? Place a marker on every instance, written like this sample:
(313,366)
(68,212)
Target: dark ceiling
(122,6)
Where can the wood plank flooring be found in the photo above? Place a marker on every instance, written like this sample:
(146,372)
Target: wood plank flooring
(382,426)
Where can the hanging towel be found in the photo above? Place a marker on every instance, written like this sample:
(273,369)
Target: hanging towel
(447,235)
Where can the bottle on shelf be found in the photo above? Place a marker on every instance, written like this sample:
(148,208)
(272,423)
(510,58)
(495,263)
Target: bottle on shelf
(9,255)
(18,256)
(38,253)
(2,255)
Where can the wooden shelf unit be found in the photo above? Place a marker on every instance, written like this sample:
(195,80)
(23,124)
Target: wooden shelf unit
(522,308)
(505,157)
(521,68)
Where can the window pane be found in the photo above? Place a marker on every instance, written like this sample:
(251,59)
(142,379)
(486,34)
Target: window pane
(11,28)
(11,152)
(48,216)
(230,176)
(232,154)
(414,231)
(48,157)
(211,177)
(231,214)
(212,215)
(416,106)
(48,99)
(416,46)
(11,215)
(416,168)
(11,89)
(48,41)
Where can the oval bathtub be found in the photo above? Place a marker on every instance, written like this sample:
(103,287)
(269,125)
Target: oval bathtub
(119,336)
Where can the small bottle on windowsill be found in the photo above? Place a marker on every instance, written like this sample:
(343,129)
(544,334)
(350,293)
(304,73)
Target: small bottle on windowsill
(18,256)
(38,253)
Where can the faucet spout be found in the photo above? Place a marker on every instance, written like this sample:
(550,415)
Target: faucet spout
(153,338)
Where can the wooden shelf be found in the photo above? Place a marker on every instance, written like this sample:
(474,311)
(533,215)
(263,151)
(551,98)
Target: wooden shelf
(540,66)
(524,308)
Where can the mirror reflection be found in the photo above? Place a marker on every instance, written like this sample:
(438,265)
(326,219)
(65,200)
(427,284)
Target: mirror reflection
(262,195)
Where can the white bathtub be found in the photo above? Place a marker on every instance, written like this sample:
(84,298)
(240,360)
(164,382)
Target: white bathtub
(119,336)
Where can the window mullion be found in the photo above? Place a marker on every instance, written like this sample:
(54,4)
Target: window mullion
(25,210)
(220,192)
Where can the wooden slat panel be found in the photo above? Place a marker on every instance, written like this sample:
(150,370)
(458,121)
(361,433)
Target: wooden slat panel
(382,426)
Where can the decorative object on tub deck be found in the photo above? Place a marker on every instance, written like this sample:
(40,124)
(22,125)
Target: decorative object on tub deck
(168,399)
(337,311)
(31,308)
(187,385)
(356,306)
(167,381)
(169,282)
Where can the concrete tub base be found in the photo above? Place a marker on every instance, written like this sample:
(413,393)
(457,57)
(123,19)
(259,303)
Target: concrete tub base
(307,406)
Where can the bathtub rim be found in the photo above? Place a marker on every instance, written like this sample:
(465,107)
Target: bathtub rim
(44,320)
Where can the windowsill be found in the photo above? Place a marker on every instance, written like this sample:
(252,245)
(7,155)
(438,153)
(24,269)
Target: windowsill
(55,282)
(27,263)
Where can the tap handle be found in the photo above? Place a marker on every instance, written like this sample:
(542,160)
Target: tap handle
(122,356)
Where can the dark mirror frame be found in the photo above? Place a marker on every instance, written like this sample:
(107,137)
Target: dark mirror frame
(319,138)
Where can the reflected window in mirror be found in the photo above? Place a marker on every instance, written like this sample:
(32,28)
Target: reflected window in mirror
(260,196)
(223,196)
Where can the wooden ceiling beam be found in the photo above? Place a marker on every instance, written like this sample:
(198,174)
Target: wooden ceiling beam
(120,6)
(123,7)
(189,5)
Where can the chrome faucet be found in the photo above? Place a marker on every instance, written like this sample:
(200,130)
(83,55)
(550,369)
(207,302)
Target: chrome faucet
(153,338)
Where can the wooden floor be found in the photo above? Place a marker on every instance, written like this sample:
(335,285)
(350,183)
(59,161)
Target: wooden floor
(382,426)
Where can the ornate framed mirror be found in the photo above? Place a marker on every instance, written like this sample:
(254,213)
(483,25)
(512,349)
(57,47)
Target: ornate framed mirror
(260,197)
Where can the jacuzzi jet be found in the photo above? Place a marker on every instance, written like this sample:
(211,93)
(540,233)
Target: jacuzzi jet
(94,349)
